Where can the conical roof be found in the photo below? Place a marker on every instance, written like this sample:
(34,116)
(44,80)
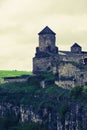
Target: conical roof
(46,30)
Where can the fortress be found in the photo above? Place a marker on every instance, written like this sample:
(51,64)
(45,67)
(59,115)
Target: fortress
(70,67)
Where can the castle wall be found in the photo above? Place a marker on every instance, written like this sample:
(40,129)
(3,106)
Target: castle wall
(81,77)
(78,58)
(42,64)
(46,56)
(76,49)
(65,84)
(46,40)
(45,64)
(73,57)
(67,70)
(68,64)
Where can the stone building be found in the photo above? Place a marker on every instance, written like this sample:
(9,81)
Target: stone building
(70,65)
(46,57)
(76,48)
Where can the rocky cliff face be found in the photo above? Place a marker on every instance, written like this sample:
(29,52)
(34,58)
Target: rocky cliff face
(53,107)
(68,116)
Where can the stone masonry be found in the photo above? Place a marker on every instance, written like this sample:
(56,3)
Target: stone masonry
(46,57)
(71,66)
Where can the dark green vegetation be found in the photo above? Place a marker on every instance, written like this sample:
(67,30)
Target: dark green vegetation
(79,93)
(31,93)
(12,124)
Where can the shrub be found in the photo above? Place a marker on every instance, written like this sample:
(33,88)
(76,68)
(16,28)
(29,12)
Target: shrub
(76,91)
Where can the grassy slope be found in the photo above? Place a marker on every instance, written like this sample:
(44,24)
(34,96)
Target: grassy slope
(31,90)
(12,73)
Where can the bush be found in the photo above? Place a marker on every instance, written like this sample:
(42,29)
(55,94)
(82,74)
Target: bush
(76,92)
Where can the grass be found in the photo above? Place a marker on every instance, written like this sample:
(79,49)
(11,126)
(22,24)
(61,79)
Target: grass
(12,73)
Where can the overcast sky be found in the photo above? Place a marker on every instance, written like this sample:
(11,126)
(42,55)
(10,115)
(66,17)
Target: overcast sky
(21,20)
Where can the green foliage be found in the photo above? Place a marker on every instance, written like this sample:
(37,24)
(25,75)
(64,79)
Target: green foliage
(35,80)
(9,121)
(76,92)
(79,94)
(30,93)
(30,126)
(85,89)
(85,94)
(17,93)
(63,109)
(48,76)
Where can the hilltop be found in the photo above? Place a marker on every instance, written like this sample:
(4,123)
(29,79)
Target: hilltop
(32,107)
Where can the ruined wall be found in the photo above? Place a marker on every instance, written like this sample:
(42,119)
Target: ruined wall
(65,84)
(42,64)
(81,77)
(78,58)
(67,70)
(45,64)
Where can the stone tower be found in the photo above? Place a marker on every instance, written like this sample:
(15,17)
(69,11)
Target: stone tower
(46,57)
(76,48)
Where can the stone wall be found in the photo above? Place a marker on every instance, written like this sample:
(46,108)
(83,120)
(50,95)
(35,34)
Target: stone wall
(46,40)
(42,64)
(65,84)
(67,70)
(78,58)
(46,52)
(72,57)
(76,49)
(15,79)
(45,64)
(81,78)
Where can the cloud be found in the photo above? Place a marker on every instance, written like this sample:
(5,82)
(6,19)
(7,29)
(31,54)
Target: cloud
(66,40)
(68,7)
(21,20)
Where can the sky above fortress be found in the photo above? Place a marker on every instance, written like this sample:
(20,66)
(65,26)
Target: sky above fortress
(21,20)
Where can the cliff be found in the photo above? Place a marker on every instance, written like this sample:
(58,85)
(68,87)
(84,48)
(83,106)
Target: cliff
(28,106)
